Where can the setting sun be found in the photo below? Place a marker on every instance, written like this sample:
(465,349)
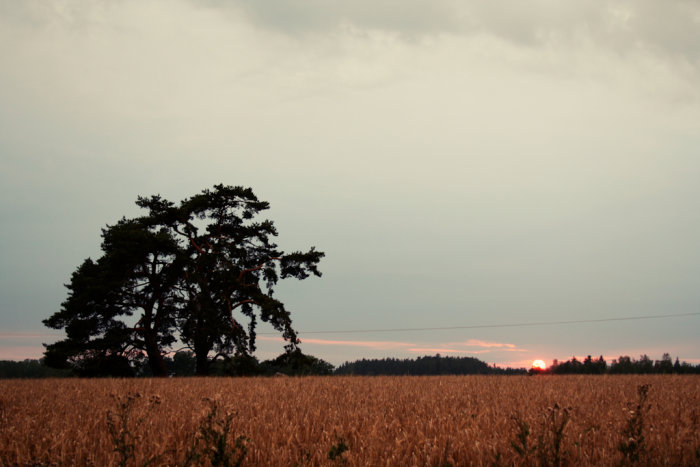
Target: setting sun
(539,365)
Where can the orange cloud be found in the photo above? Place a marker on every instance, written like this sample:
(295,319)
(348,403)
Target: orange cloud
(480,343)
(27,335)
(379,345)
(20,352)
(471,346)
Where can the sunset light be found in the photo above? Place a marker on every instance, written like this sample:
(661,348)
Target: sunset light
(539,365)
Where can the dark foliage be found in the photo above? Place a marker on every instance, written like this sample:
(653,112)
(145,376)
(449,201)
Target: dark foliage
(180,364)
(622,365)
(241,365)
(296,363)
(29,369)
(436,365)
(291,363)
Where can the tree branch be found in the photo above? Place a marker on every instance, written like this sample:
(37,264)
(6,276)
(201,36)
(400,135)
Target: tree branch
(194,244)
(257,268)
(234,323)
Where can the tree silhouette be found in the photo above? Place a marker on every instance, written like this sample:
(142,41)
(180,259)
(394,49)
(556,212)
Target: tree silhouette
(195,270)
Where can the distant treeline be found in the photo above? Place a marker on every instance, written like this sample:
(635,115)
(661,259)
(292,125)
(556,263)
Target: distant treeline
(427,365)
(623,365)
(181,363)
(28,369)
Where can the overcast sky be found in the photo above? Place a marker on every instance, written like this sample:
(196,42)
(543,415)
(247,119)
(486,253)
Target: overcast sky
(461,163)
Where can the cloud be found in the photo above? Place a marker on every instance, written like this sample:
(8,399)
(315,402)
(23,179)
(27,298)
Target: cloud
(473,346)
(378,345)
(23,345)
(409,17)
(669,28)
(480,343)
(28,335)
(340,350)
(434,350)
(8,352)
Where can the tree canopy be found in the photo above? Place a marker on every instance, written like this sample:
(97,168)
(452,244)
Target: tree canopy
(201,272)
(427,365)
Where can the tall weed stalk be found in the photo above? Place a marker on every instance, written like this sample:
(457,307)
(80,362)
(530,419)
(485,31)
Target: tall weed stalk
(213,440)
(123,427)
(632,445)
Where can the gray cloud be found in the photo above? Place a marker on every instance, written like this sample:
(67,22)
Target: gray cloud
(411,17)
(670,28)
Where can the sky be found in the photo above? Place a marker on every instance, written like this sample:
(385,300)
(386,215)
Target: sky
(464,165)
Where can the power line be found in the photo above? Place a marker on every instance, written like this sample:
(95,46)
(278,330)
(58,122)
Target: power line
(483,326)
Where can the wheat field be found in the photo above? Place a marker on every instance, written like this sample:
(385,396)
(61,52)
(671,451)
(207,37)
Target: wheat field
(441,420)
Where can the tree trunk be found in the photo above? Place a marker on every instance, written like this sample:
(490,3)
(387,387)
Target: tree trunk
(202,341)
(201,352)
(155,358)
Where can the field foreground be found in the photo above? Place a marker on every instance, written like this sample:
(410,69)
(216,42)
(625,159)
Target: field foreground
(442,420)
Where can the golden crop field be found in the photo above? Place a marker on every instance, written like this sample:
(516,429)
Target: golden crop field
(441,420)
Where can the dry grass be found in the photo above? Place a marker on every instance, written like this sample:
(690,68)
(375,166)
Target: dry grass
(460,420)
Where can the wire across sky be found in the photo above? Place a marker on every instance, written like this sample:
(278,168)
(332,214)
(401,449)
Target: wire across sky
(505,325)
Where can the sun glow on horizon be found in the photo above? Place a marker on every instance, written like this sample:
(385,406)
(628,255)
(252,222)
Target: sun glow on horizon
(539,365)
